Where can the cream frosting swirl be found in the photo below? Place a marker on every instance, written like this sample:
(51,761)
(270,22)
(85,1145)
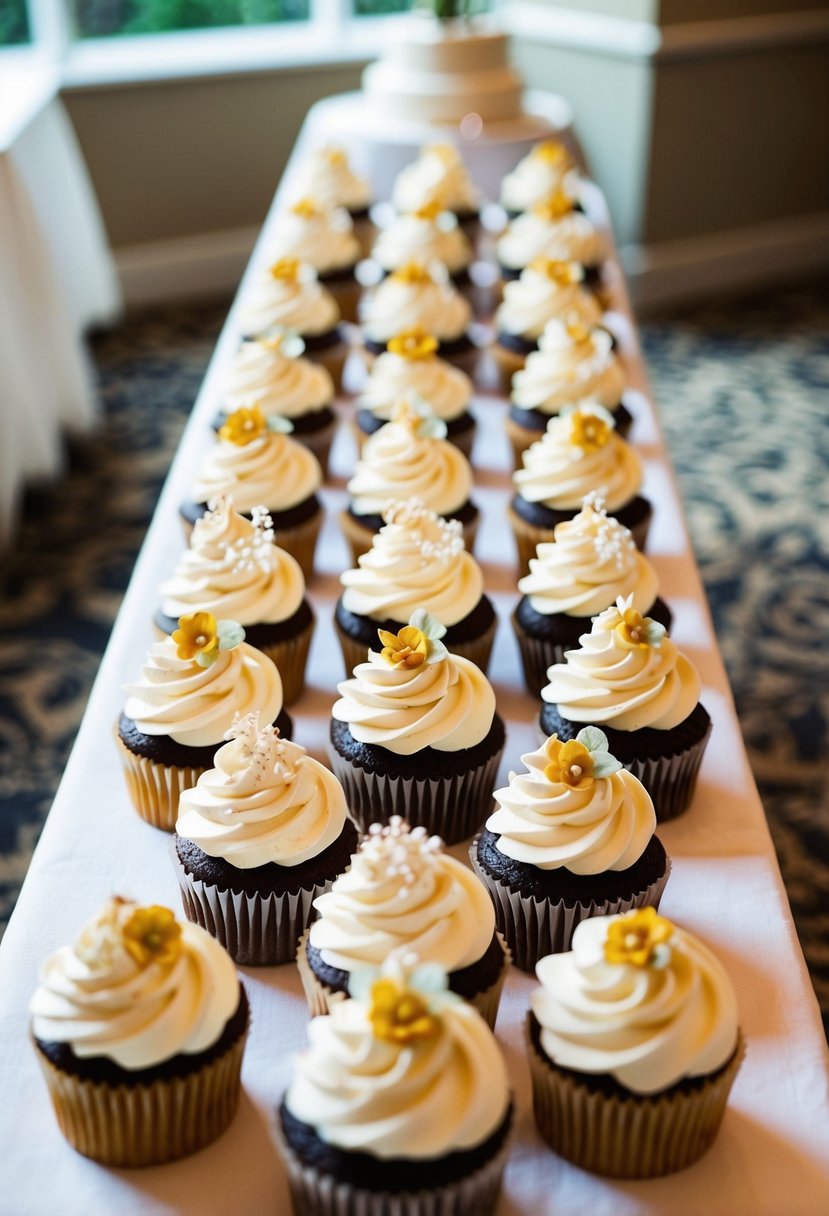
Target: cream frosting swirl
(423,237)
(272,469)
(648,1026)
(321,236)
(565,465)
(235,571)
(326,174)
(418,1099)
(416,297)
(546,169)
(627,684)
(195,705)
(571,364)
(402,894)
(262,374)
(398,462)
(571,238)
(592,562)
(266,801)
(290,300)
(101,1000)
(446,389)
(543,292)
(588,826)
(437,176)
(447,705)
(416,560)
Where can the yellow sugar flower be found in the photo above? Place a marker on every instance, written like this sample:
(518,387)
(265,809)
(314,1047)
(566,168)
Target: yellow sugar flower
(430,210)
(197,634)
(570,763)
(588,431)
(306,208)
(632,630)
(152,935)
(335,156)
(577,331)
(637,937)
(413,344)
(412,273)
(408,648)
(552,152)
(244,425)
(563,273)
(398,1015)
(286,270)
(555,207)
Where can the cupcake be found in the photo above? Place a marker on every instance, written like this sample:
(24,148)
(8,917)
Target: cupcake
(288,295)
(416,560)
(326,174)
(235,571)
(630,679)
(402,895)
(191,688)
(571,837)
(574,363)
(419,296)
(555,229)
(401,1104)
(256,463)
(426,235)
(592,561)
(439,176)
(634,1045)
(415,733)
(409,457)
(545,291)
(322,237)
(270,373)
(139,1029)
(580,453)
(258,839)
(410,366)
(546,169)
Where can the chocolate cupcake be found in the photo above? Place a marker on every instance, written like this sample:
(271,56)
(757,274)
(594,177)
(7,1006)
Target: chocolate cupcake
(258,839)
(575,363)
(571,837)
(410,366)
(325,173)
(401,1103)
(592,561)
(409,457)
(192,687)
(258,464)
(235,571)
(630,679)
(416,560)
(428,234)
(579,454)
(439,176)
(403,895)
(621,1085)
(139,1029)
(547,168)
(419,296)
(415,733)
(272,374)
(323,237)
(555,228)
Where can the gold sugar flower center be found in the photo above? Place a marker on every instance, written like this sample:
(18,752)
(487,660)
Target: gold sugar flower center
(636,938)
(632,629)
(152,935)
(555,207)
(244,425)
(570,763)
(562,273)
(306,208)
(552,152)
(197,633)
(589,432)
(413,344)
(408,648)
(286,270)
(412,273)
(429,210)
(398,1015)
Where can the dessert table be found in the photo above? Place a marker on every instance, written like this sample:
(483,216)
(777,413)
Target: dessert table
(772,1155)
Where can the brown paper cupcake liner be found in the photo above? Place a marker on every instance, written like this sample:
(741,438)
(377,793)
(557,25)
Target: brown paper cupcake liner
(301,542)
(256,930)
(507,362)
(477,650)
(452,807)
(317,1194)
(155,788)
(291,658)
(537,654)
(534,928)
(333,359)
(320,997)
(319,442)
(360,538)
(139,1125)
(366,234)
(628,1135)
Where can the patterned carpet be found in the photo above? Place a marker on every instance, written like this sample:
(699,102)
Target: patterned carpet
(743,392)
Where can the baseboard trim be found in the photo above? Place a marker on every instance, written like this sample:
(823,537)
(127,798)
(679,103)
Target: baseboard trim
(184,268)
(682,271)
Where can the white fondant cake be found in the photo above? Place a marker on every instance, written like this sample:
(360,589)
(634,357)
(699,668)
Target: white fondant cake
(440,71)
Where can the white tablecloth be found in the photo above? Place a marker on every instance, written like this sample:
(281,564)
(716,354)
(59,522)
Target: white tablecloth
(772,1156)
(56,278)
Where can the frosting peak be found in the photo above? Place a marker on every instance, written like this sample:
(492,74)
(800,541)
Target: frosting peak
(551,230)
(438,175)
(545,290)
(547,168)
(326,174)
(313,232)
(271,374)
(266,467)
(411,366)
(574,362)
(289,295)
(426,235)
(418,295)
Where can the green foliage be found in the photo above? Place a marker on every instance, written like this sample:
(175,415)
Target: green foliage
(105,18)
(14,22)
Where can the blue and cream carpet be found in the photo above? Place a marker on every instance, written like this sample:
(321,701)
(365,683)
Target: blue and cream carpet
(744,392)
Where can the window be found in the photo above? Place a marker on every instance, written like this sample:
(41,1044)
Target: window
(377,8)
(14,23)
(102,19)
